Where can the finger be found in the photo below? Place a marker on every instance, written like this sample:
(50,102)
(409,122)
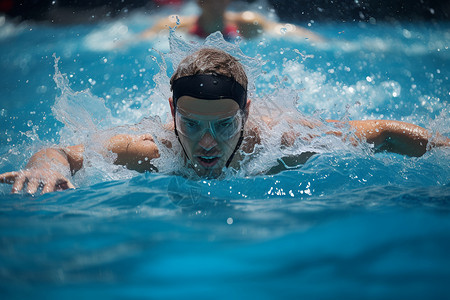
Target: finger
(8,177)
(32,186)
(48,188)
(64,184)
(70,185)
(147,137)
(18,184)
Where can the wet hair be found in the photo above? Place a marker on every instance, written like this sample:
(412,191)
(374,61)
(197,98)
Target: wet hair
(211,61)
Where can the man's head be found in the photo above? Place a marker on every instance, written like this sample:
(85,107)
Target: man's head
(209,107)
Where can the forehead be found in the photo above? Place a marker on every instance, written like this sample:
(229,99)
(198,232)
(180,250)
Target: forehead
(207,107)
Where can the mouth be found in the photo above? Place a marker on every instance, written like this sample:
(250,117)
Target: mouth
(207,161)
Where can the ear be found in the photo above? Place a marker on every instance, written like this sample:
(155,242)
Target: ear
(172,108)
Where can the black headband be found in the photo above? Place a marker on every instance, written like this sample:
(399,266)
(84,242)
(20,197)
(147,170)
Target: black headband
(209,87)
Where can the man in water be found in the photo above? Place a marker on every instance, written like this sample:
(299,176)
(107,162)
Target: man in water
(210,113)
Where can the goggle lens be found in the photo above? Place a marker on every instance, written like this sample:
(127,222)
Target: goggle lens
(193,127)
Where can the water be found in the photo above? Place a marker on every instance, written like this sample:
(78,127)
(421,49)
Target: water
(347,224)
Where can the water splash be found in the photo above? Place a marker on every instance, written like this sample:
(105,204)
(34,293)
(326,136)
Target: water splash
(289,91)
(82,113)
(180,48)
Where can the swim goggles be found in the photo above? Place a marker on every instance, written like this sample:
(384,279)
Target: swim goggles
(194,126)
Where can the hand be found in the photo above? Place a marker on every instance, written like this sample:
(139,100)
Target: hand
(439,140)
(34,178)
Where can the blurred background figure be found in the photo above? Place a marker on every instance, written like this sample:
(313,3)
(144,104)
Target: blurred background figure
(298,12)
(215,17)
(76,11)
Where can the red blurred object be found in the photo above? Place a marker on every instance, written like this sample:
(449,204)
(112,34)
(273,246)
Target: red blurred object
(168,2)
(6,5)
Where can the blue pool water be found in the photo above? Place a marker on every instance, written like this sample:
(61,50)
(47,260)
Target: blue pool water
(348,224)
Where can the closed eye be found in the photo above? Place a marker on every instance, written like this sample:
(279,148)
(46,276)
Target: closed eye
(190,123)
(226,123)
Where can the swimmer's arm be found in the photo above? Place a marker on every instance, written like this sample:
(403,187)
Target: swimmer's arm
(398,137)
(250,24)
(134,151)
(393,136)
(49,169)
(185,23)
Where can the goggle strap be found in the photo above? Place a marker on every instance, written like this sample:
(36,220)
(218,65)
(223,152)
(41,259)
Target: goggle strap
(178,137)
(241,138)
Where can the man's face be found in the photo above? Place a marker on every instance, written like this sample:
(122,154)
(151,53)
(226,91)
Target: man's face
(209,131)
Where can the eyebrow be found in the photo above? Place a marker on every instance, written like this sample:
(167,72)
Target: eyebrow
(214,119)
(189,119)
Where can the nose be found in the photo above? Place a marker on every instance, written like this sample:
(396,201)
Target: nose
(207,141)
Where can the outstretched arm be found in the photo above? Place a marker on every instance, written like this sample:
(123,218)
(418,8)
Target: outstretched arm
(50,168)
(386,135)
(398,137)
(181,22)
(251,24)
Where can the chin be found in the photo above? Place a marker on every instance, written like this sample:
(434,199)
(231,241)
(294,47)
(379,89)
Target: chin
(209,173)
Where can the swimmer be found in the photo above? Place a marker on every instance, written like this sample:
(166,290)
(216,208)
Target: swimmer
(210,119)
(214,17)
